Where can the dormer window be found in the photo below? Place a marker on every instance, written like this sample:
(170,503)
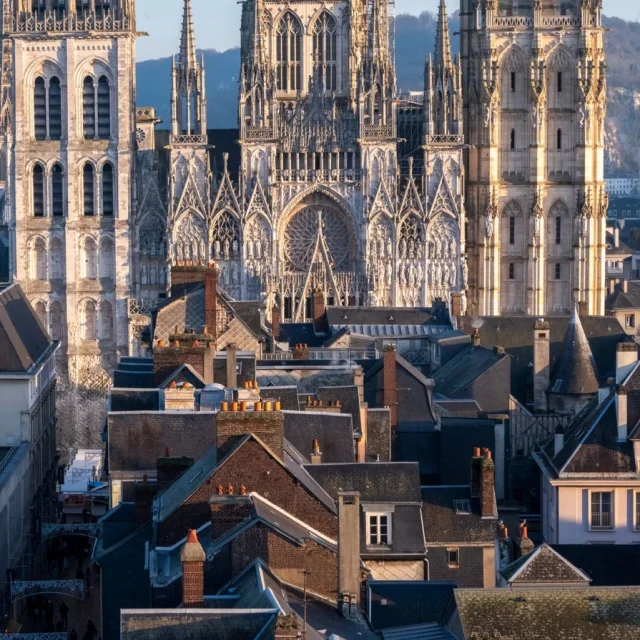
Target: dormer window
(462,507)
(378,529)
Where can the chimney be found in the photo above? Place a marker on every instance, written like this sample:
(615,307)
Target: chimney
(475,338)
(349,552)
(611,286)
(358,381)
(624,284)
(318,309)
(144,493)
(211,300)
(541,365)
(316,454)
(616,236)
(487,485)
(232,366)
(583,309)
(275,322)
(179,398)
(192,558)
(168,357)
(390,383)
(169,469)
(525,545)
(476,472)
(622,417)
(301,352)
(626,359)
(504,547)
(266,423)
(558,442)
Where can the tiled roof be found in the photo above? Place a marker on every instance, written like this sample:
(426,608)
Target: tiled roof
(549,614)
(605,564)
(544,565)
(349,399)
(431,631)
(287,396)
(629,299)
(379,316)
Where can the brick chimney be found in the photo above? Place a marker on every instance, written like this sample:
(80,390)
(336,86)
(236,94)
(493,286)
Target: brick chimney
(626,359)
(232,366)
(504,546)
(193,558)
(169,469)
(349,552)
(144,493)
(541,364)
(301,352)
(476,472)
(167,357)
(390,383)
(316,454)
(268,425)
(525,545)
(487,485)
(275,322)
(318,309)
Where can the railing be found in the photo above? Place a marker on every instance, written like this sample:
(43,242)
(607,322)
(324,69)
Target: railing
(49,21)
(508,22)
(560,21)
(258,133)
(311,175)
(88,530)
(601,520)
(188,138)
(378,131)
(23,588)
(369,353)
(452,138)
(62,635)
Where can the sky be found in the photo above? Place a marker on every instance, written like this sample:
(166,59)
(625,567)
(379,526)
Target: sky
(217,22)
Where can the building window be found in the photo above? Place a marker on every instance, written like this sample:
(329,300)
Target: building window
(512,271)
(41,312)
(288,52)
(513,82)
(57,191)
(55,109)
(453,557)
(513,139)
(559,81)
(40,109)
(56,257)
(558,273)
(462,507)
(630,321)
(88,190)
(38,191)
(104,109)
(559,139)
(89,109)
(90,259)
(512,230)
(89,321)
(602,510)
(106,262)
(107,190)
(637,517)
(379,528)
(106,321)
(39,260)
(325,50)
(558,230)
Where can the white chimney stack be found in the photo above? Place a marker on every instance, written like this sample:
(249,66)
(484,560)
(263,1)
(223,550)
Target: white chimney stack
(621,412)
(626,359)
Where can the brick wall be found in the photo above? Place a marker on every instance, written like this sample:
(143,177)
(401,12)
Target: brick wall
(378,435)
(268,426)
(390,384)
(167,359)
(252,466)
(469,574)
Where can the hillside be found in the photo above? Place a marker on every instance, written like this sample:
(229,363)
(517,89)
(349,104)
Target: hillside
(415,37)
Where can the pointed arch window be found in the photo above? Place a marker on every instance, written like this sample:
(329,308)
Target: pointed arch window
(512,271)
(89,108)
(512,230)
(55,109)
(55,318)
(104,109)
(90,259)
(107,189)
(106,321)
(558,230)
(559,81)
(559,139)
(57,191)
(40,109)
(39,260)
(38,191)
(88,190)
(513,82)
(288,52)
(512,140)
(558,272)
(325,40)
(106,262)
(89,321)
(56,257)
(41,312)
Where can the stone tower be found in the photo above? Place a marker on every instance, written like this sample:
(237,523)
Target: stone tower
(67,142)
(535,101)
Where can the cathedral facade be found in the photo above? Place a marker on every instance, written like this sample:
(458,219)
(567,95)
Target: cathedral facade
(499,207)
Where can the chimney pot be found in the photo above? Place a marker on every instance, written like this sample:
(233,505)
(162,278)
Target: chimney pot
(267,406)
(476,452)
(243,405)
(234,406)
(224,406)
(257,406)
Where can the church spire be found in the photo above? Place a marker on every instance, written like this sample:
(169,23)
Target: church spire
(443,41)
(188,60)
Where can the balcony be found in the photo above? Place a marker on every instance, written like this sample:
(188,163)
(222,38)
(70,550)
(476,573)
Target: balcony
(601,520)
(322,175)
(188,138)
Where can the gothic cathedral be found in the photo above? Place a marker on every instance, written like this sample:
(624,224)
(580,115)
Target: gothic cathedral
(498,209)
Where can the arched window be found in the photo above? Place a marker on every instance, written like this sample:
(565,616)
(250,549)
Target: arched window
(559,139)
(55,109)
(512,230)
(513,82)
(104,109)
(89,108)
(106,261)
(56,259)
(38,191)
(90,259)
(55,318)
(57,191)
(106,321)
(559,81)
(39,260)
(558,273)
(41,312)
(89,321)
(558,230)
(288,52)
(512,141)
(107,189)
(512,271)
(40,109)
(325,40)
(88,190)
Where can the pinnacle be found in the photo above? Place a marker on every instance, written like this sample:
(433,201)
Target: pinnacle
(443,40)
(188,58)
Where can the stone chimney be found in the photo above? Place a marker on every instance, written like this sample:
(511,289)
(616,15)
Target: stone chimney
(487,485)
(275,322)
(390,383)
(622,416)
(475,338)
(349,552)
(541,364)
(232,366)
(301,352)
(583,309)
(144,493)
(525,545)
(193,558)
(169,469)
(626,359)
(558,442)
(505,553)
(616,235)
(316,454)
(180,398)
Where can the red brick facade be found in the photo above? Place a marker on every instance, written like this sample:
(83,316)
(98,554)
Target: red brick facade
(168,358)
(193,584)
(267,425)
(390,384)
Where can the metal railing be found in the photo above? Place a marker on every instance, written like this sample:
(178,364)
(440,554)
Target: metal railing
(188,138)
(50,21)
(369,353)
(601,520)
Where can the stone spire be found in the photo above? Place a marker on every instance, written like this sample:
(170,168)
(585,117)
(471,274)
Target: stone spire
(188,59)
(442,59)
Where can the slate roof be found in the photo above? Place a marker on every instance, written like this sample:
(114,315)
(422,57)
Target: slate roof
(307,376)
(431,631)
(23,339)
(185,373)
(629,299)
(334,432)
(444,524)
(301,333)
(287,396)
(549,614)
(605,564)
(392,316)
(623,249)
(468,365)
(349,401)
(134,373)
(134,399)
(515,334)
(543,565)
(389,482)
(401,603)
(575,373)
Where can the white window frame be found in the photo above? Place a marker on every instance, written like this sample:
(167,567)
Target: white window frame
(611,527)
(377,540)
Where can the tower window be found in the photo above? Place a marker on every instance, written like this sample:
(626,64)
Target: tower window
(89,321)
(106,321)
(107,190)
(324,50)
(559,139)
(104,109)
(288,55)
(558,273)
(512,230)
(88,190)
(90,266)
(513,139)
(89,109)
(512,271)
(57,191)
(559,81)
(40,109)
(55,109)
(513,82)
(38,191)
(558,230)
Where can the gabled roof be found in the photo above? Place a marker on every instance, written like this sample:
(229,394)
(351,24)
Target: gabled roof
(544,565)
(620,299)
(185,373)
(23,339)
